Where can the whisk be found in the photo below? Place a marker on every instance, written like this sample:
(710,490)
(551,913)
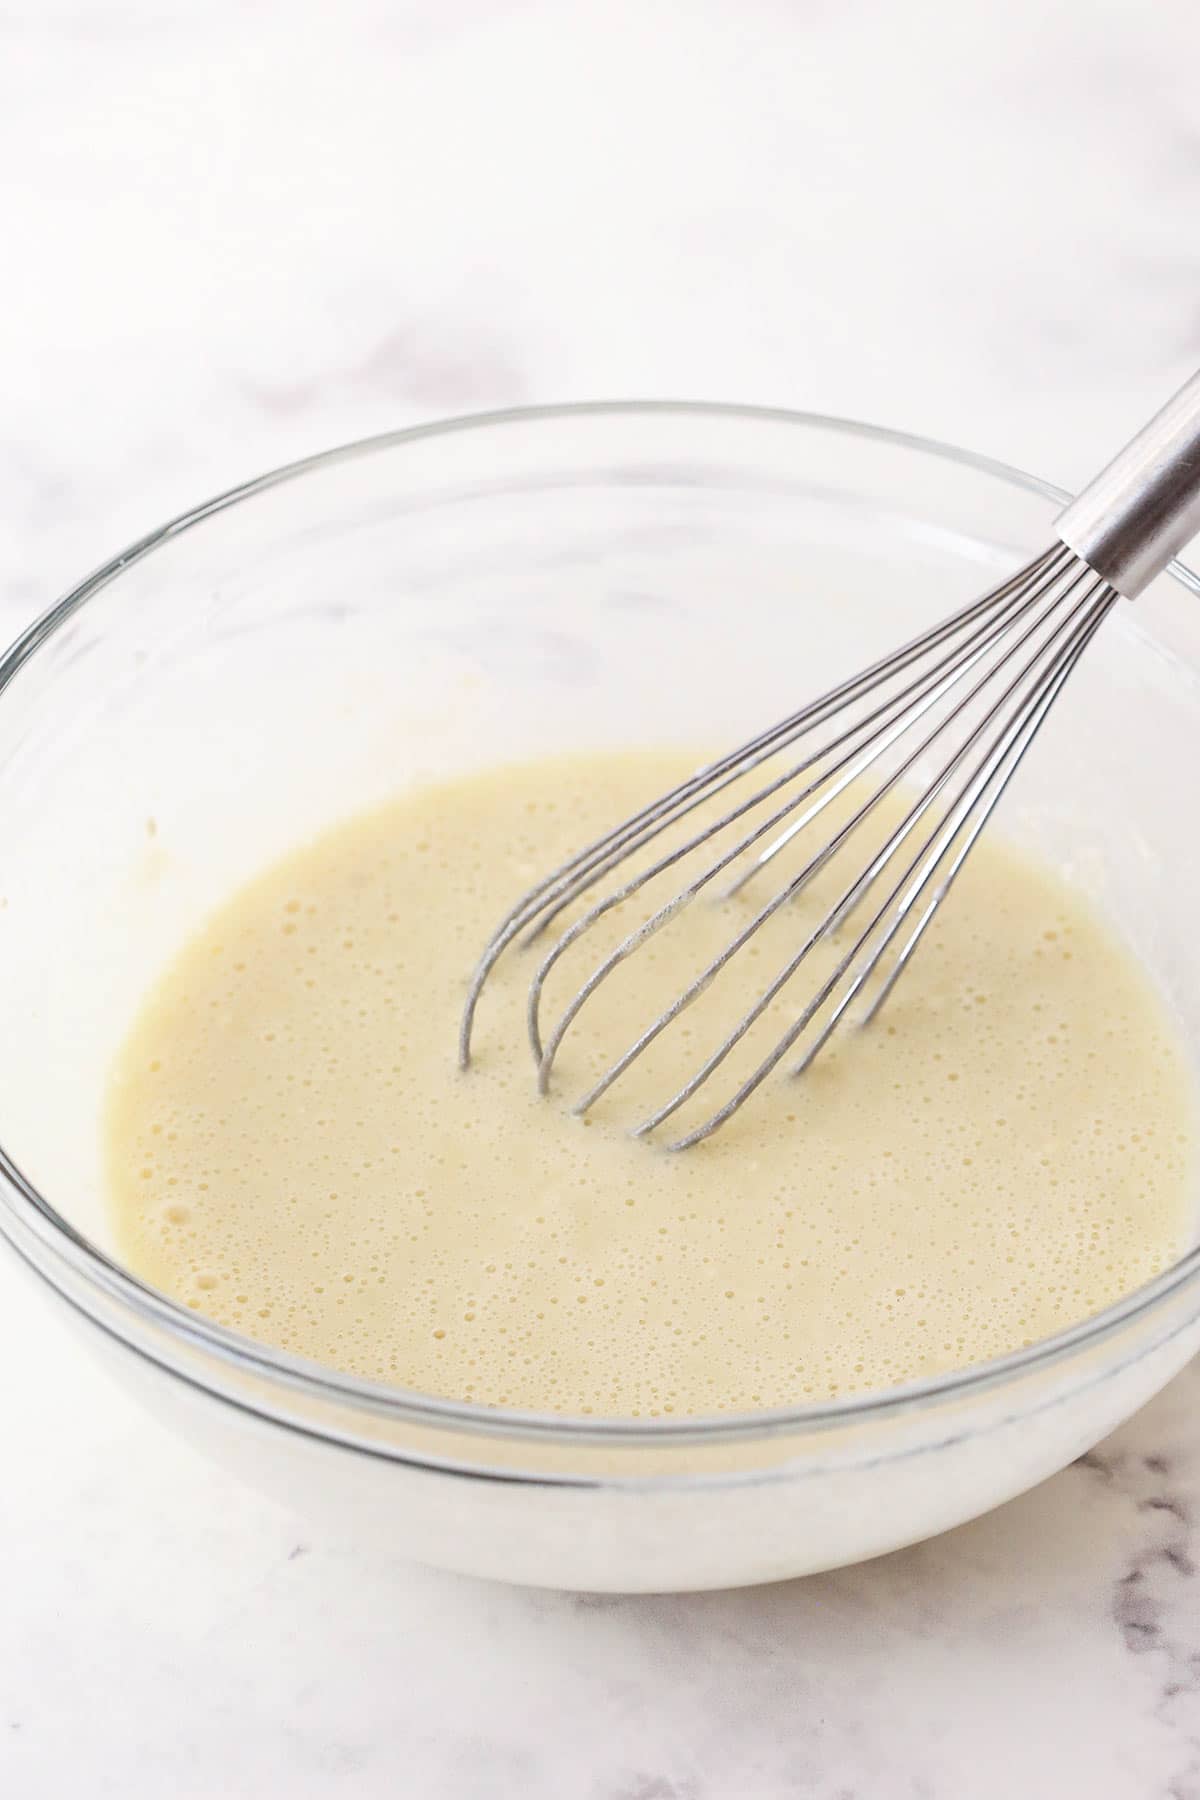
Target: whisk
(963,701)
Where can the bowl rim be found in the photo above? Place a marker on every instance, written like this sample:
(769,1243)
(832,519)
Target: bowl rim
(25,1213)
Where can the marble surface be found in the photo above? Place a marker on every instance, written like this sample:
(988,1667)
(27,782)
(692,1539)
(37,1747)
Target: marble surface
(240,232)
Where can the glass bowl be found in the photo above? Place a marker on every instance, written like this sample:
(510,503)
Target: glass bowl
(442,598)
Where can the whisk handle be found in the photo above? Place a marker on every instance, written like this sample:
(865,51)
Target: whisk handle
(1145,506)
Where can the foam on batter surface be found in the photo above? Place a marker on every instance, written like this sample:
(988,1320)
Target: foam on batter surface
(292,1149)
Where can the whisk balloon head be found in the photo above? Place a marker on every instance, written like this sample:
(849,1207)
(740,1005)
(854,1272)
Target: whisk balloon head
(831,839)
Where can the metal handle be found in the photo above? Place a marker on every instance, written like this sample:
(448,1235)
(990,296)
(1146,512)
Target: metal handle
(1145,506)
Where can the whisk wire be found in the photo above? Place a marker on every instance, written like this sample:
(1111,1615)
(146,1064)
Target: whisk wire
(897,713)
(1004,757)
(850,768)
(704,979)
(543,902)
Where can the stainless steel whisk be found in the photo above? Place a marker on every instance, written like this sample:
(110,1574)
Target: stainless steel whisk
(971,694)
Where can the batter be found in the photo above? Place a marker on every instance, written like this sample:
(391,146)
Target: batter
(293,1150)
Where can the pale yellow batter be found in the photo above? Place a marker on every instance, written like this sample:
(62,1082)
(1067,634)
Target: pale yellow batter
(293,1150)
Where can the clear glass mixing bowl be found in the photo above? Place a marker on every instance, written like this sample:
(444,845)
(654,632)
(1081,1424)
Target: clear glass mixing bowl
(442,598)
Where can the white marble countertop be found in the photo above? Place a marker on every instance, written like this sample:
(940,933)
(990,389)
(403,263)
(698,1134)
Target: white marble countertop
(240,232)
